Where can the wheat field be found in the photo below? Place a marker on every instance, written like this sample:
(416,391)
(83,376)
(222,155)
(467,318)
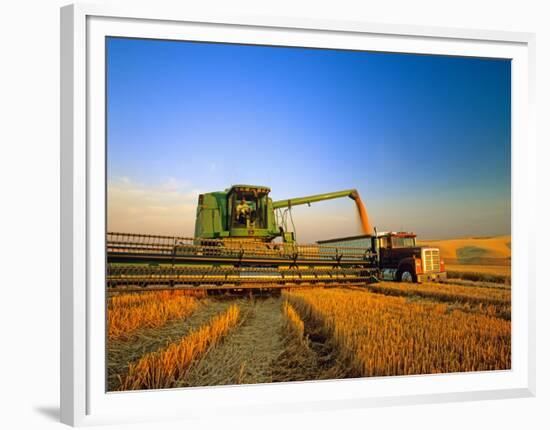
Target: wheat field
(129,312)
(380,335)
(177,339)
(163,368)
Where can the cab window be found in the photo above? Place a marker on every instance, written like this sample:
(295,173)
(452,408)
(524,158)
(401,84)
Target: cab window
(247,210)
(384,242)
(402,242)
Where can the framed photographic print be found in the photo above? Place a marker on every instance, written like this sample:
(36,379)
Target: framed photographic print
(277,214)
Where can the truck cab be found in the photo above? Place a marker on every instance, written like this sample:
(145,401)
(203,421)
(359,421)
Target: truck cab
(398,256)
(401,259)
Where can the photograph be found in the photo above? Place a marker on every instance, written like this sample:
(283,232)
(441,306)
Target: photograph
(281,214)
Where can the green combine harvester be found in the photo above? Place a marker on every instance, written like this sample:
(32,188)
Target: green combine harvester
(246,212)
(235,248)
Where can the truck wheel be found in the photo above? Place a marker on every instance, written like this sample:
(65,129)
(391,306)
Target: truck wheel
(406,275)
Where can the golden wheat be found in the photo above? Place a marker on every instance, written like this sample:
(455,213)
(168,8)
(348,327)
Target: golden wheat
(293,322)
(445,292)
(489,301)
(127,313)
(381,335)
(163,368)
(136,298)
(132,299)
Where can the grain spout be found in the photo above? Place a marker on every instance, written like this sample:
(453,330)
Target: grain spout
(365,224)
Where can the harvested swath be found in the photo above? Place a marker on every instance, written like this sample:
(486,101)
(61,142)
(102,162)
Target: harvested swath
(122,352)
(468,283)
(153,309)
(293,322)
(493,309)
(505,270)
(128,299)
(445,292)
(263,349)
(473,276)
(163,368)
(490,301)
(307,354)
(247,354)
(137,298)
(380,335)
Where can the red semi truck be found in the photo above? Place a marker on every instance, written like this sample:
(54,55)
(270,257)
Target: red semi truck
(398,257)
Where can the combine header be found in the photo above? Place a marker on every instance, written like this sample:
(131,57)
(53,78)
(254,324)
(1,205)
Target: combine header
(234,249)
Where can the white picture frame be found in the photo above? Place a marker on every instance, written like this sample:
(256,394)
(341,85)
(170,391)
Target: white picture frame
(84,400)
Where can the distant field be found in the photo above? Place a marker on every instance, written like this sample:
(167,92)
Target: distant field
(468,273)
(475,251)
(475,268)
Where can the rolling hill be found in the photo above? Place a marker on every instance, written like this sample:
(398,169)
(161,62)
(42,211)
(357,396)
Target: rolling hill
(494,250)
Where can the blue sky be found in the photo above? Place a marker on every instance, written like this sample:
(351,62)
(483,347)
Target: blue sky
(425,139)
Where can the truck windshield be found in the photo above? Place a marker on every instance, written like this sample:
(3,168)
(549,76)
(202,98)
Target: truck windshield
(402,242)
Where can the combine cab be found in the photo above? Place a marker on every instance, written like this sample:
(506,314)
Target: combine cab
(246,213)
